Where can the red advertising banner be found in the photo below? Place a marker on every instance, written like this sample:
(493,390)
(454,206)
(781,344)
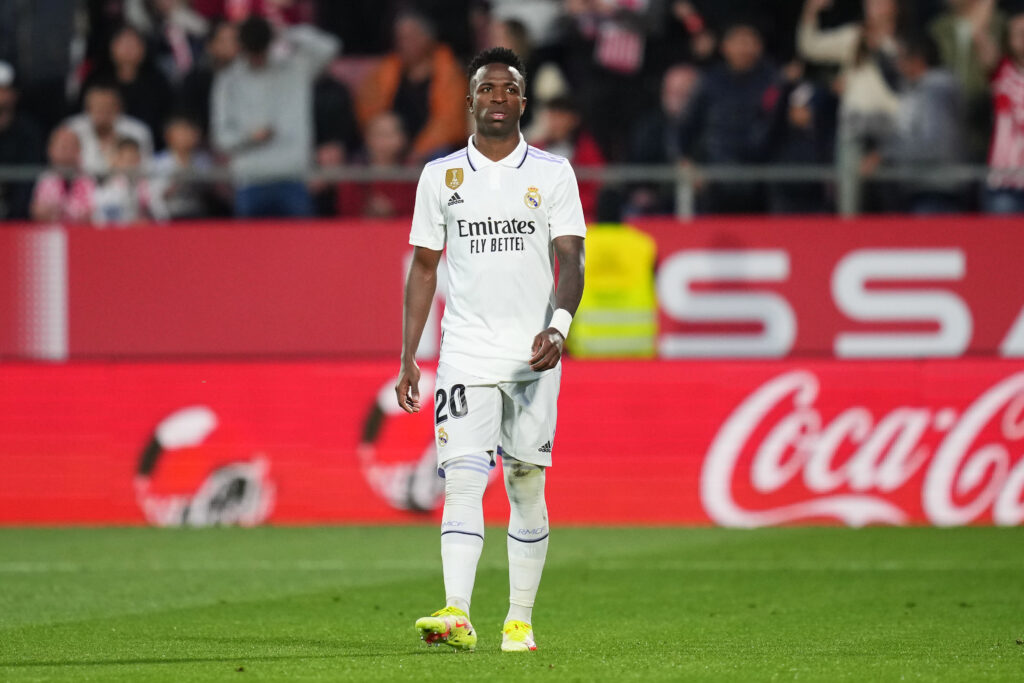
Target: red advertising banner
(733,443)
(892,287)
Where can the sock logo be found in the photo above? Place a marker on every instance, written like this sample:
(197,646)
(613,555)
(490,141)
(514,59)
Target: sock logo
(546,448)
(456,199)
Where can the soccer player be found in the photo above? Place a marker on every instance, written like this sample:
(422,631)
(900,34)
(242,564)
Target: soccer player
(504,211)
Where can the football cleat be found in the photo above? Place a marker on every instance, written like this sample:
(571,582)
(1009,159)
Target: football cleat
(517,636)
(449,626)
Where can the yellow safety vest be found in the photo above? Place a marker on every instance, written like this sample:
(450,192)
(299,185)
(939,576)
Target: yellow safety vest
(618,315)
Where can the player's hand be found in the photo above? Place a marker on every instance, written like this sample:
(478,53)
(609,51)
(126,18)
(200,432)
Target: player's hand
(408,388)
(547,350)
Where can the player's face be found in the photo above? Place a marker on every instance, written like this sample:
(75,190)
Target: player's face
(497,101)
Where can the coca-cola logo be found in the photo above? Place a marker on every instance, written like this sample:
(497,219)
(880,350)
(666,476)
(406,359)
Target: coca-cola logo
(779,458)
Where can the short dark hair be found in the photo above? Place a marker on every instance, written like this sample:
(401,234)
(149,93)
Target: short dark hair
(127,142)
(255,34)
(921,46)
(497,55)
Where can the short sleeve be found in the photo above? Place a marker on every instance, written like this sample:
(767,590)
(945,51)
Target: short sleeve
(566,214)
(428,224)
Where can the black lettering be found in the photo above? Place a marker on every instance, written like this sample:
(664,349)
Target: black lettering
(533,227)
(462,228)
(440,400)
(457,406)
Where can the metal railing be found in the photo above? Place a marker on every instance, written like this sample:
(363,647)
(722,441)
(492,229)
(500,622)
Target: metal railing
(685,178)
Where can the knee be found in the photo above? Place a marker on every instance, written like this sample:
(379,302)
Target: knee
(464,483)
(523,482)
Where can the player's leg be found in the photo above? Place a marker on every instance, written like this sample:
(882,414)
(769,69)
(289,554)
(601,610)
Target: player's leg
(466,423)
(527,436)
(462,526)
(527,549)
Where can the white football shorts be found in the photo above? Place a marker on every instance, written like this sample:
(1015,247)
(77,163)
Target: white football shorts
(473,415)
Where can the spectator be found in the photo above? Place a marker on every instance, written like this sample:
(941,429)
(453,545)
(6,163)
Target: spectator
(730,119)
(386,147)
(175,196)
(101,125)
(145,92)
(194,93)
(605,47)
(804,135)
(1006,158)
(422,83)
(262,110)
(124,198)
(337,138)
(866,54)
(968,36)
(929,128)
(20,144)
(560,131)
(62,193)
(41,40)
(655,139)
(174,30)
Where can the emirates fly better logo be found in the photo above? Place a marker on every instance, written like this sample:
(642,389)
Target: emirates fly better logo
(861,468)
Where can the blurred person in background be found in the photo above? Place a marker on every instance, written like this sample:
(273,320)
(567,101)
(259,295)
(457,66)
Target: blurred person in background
(20,145)
(63,194)
(177,196)
(655,139)
(262,116)
(865,51)
(604,51)
(123,197)
(193,96)
(44,40)
(102,124)
(928,131)
(1005,194)
(386,147)
(968,36)
(560,131)
(174,31)
(337,138)
(804,134)
(145,92)
(730,120)
(422,82)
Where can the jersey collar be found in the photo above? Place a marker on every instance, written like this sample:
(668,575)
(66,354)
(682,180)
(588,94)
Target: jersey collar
(514,160)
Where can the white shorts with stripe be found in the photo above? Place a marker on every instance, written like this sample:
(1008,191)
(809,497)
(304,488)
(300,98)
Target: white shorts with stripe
(475,416)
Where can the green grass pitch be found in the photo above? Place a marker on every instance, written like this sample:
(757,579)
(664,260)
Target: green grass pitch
(338,603)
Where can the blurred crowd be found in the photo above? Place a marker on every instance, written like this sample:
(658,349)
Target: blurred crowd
(128,103)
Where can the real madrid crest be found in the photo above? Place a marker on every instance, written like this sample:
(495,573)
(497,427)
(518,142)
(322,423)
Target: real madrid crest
(442,436)
(453,178)
(532,197)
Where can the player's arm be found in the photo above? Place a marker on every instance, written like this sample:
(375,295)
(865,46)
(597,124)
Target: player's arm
(547,346)
(419,295)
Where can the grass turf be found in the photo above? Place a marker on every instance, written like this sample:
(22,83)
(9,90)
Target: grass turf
(615,604)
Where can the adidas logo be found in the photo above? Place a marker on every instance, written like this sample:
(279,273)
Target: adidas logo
(546,448)
(456,199)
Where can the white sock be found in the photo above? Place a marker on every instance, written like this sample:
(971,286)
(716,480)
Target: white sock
(462,526)
(527,536)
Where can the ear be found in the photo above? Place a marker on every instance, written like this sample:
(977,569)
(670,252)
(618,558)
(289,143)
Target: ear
(469,102)
(522,106)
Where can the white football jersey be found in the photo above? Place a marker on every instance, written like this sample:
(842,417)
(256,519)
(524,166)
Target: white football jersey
(497,220)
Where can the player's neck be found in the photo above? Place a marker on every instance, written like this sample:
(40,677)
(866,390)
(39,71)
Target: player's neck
(496,149)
